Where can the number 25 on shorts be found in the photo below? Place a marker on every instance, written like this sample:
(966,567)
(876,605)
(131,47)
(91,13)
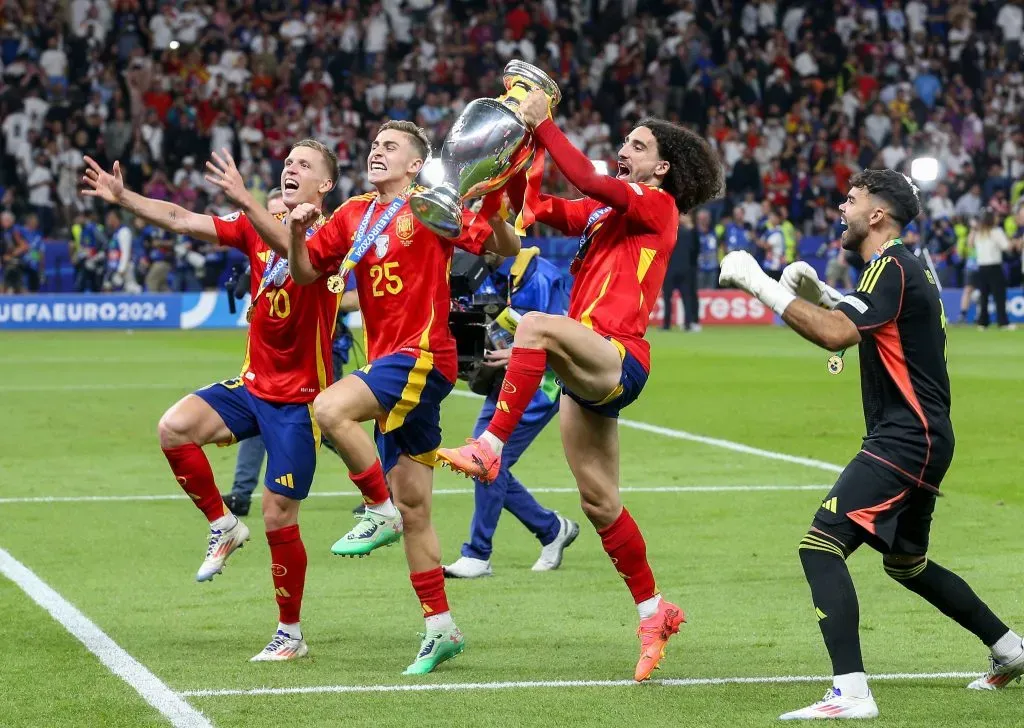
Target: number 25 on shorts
(384,280)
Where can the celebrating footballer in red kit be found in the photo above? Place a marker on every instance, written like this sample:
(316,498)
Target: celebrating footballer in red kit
(627,229)
(287,363)
(401,274)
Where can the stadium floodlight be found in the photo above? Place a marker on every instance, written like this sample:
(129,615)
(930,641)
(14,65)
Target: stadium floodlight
(925,169)
(174,45)
(432,172)
(600,166)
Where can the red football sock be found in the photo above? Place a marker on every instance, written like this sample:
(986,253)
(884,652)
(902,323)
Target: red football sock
(429,586)
(624,543)
(192,469)
(288,567)
(522,380)
(371,484)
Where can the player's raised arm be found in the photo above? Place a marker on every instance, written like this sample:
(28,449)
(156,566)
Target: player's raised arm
(299,265)
(504,240)
(575,165)
(224,174)
(109,187)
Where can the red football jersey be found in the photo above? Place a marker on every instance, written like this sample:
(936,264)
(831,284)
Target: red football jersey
(288,353)
(624,266)
(402,281)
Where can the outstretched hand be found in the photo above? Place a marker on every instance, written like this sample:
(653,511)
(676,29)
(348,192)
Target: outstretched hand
(108,186)
(224,174)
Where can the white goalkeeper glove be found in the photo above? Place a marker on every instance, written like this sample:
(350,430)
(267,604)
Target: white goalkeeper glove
(802,280)
(740,270)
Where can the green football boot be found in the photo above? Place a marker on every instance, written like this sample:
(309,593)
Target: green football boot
(371,532)
(435,649)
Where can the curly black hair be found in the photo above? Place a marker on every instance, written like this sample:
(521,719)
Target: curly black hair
(695,174)
(894,189)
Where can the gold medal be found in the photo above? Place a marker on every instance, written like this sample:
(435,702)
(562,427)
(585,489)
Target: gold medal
(249,312)
(835,364)
(336,284)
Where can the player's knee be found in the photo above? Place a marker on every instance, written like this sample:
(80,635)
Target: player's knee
(531,331)
(174,429)
(329,414)
(820,541)
(903,567)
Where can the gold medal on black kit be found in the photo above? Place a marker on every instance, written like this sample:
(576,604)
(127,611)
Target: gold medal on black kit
(835,364)
(335,284)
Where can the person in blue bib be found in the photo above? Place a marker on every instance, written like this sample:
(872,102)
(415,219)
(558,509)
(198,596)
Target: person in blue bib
(529,283)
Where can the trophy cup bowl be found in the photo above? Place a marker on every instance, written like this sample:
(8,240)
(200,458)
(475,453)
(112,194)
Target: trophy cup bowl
(487,145)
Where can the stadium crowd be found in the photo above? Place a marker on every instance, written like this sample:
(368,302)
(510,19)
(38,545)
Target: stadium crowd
(796,96)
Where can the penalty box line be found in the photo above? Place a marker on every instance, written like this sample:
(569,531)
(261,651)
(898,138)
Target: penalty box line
(439,491)
(712,441)
(114,657)
(455,687)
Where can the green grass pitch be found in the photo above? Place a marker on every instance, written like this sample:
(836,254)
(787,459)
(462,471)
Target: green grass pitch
(79,419)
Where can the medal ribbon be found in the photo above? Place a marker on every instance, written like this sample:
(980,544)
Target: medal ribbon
(275,264)
(363,239)
(588,234)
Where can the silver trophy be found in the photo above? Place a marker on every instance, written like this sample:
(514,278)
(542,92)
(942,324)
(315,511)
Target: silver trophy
(486,146)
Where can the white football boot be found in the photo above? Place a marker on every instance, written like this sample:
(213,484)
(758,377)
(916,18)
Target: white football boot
(467,568)
(222,544)
(282,647)
(835,705)
(551,555)
(999,676)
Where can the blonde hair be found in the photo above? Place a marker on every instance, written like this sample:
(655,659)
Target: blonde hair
(419,136)
(330,158)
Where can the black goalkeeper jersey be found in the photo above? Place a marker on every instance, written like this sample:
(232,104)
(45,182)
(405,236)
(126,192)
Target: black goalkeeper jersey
(904,382)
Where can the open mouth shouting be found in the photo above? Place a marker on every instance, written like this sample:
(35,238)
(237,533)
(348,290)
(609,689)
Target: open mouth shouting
(624,171)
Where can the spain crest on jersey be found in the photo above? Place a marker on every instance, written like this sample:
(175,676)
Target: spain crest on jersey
(403,227)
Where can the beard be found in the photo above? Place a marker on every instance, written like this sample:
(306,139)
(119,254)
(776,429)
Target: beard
(853,236)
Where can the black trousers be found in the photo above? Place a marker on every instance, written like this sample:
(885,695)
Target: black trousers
(992,283)
(684,281)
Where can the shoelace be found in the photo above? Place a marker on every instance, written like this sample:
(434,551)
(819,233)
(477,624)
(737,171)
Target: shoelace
(371,528)
(280,638)
(829,694)
(428,644)
(214,539)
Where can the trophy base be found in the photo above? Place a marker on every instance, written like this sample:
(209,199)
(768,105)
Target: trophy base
(440,209)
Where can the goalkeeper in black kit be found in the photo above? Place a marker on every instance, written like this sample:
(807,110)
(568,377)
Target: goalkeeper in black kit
(886,495)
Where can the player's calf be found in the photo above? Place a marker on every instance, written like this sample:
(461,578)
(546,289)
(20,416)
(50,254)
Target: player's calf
(952,596)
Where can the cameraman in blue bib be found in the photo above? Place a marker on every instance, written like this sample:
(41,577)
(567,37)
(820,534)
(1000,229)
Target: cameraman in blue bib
(528,283)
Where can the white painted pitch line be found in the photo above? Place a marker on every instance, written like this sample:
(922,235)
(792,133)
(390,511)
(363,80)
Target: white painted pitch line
(633,424)
(96,387)
(442,491)
(112,655)
(453,687)
(713,441)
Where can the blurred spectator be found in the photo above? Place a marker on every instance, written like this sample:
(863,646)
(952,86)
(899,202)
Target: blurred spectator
(796,96)
(990,243)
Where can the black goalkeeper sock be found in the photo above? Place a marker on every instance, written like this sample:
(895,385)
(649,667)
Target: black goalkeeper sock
(952,596)
(835,601)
